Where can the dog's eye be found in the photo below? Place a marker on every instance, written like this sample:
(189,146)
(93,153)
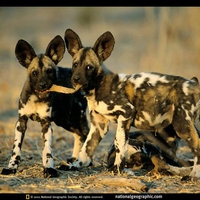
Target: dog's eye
(49,71)
(89,67)
(34,73)
(75,65)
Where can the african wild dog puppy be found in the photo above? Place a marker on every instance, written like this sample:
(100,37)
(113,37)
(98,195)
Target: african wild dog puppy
(66,110)
(147,101)
(145,150)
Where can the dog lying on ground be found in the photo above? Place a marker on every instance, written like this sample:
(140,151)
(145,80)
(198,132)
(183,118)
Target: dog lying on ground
(147,101)
(150,152)
(66,110)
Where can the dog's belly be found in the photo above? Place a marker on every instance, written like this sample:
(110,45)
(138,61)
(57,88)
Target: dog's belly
(153,121)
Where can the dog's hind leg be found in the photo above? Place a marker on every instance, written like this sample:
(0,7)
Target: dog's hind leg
(77,146)
(80,135)
(20,129)
(78,142)
(47,154)
(187,131)
(79,139)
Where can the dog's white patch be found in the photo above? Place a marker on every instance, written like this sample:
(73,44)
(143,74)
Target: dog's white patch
(187,114)
(54,57)
(48,162)
(130,150)
(171,139)
(83,159)
(123,77)
(152,79)
(120,142)
(157,119)
(185,87)
(191,111)
(102,107)
(139,121)
(77,145)
(32,107)
(16,150)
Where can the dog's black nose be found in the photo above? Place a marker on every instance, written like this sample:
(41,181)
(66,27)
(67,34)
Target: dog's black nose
(76,78)
(42,85)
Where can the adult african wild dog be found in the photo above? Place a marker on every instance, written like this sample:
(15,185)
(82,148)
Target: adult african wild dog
(66,110)
(148,101)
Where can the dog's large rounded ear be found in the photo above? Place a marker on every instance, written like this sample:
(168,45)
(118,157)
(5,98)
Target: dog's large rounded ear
(73,42)
(56,49)
(24,53)
(104,45)
(195,79)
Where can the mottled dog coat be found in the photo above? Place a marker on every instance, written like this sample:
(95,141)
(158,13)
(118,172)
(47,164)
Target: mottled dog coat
(151,152)
(147,101)
(66,110)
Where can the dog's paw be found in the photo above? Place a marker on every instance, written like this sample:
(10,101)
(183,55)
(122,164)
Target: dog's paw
(50,173)
(189,178)
(67,168)
(8,171)
(115,169)
(71,167)
(194,174)
(71,160)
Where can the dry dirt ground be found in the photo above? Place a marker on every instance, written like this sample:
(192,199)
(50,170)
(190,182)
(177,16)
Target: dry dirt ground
(165,40)
(96,179)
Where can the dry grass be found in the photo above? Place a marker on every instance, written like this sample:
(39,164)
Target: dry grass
(165,40)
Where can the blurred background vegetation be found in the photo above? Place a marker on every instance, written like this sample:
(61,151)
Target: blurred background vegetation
(161,39)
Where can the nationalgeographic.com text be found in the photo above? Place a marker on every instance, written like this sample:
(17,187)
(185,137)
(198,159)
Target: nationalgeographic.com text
(142,196)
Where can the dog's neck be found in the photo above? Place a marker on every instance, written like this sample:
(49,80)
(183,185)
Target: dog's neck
(103,84)
(27,92)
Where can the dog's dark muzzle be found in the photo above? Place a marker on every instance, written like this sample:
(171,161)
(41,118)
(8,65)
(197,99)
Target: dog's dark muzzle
(42,89)
(43,86)
(76,79)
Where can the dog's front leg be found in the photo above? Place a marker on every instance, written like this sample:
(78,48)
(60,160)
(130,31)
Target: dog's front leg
(99,127)
(120,142)
(20,129)
(47,155)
